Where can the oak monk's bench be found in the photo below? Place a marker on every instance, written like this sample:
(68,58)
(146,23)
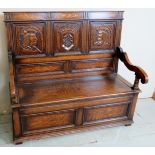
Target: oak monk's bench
(63,73)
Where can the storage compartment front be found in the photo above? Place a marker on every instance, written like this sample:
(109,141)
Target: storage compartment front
(102,113)
(47,121)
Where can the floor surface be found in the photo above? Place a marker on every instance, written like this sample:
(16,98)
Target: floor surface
(141,133)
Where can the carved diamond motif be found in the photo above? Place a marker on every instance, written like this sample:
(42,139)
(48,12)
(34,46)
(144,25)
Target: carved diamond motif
(67,36)
(68,40)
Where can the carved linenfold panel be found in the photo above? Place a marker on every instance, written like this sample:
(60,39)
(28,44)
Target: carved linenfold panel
(67,36)
(102,35)
(29,38)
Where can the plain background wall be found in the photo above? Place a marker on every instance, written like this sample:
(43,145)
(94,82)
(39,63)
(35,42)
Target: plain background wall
(138,40)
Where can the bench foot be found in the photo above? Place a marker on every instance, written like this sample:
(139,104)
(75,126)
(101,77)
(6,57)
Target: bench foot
(18,143)
(127,124)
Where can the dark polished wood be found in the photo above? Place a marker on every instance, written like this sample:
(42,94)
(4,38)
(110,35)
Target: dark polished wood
(63,73)
(139,72)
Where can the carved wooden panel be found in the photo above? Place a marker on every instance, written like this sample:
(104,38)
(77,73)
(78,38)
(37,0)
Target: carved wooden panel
(51,120)
(102,35)
(67,37)
(29,38)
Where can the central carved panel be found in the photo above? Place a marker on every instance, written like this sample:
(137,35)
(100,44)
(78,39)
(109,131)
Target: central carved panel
(67,37)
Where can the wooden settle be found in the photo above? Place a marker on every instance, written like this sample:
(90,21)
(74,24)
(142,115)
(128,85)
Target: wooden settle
(63,73)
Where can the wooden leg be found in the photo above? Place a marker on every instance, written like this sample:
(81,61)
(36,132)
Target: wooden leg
(16,126)
(18,143)
(127,124)
(132,107)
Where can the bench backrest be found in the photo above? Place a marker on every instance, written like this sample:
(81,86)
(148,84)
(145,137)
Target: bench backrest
(53,45)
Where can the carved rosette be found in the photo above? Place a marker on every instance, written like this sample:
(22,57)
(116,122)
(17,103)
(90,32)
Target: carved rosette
(102,35)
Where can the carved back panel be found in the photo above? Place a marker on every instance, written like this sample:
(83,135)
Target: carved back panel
(102,35)
(29,38)
(68,37)
(49,45)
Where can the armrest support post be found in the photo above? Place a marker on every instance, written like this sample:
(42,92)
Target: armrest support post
(12,85)
(136,83)
(139,72)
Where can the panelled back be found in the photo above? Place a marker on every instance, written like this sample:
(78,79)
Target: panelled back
(51,45)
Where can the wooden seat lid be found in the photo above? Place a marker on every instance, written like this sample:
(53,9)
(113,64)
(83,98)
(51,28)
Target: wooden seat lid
(72,89)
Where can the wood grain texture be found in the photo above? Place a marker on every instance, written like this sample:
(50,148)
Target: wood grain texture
(100,113)
(63,73)
(40,68)
(91,65)
(61,90)
(55,106)
(44,121)
(72,15)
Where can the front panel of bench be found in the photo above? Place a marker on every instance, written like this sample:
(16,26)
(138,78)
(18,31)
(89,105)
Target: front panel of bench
(43,121)
(73,115)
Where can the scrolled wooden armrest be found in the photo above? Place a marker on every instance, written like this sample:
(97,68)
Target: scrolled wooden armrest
(139,72)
